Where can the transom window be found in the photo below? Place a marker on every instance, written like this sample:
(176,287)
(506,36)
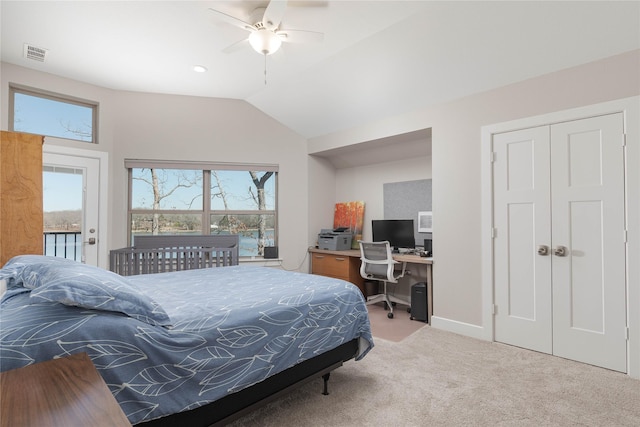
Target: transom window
(49,114)
(202,198)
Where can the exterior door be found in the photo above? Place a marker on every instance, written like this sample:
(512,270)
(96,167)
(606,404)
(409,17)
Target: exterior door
(71,200)
(559,283)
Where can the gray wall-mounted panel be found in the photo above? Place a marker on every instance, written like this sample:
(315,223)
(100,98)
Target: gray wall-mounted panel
(403,200)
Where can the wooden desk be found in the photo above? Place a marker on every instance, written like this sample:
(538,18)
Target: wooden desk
(61,392)
(343,265)
(346,265)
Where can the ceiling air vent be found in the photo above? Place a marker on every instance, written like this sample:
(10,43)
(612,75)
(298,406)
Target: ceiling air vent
(34,52)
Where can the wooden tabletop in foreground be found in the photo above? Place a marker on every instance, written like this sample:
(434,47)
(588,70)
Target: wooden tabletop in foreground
(61,392)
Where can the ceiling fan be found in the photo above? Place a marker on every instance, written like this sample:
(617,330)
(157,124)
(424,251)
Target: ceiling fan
(264,25)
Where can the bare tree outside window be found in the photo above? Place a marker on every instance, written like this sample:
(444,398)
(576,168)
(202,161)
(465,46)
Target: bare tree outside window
(259,182)
(170,201)
(246,222)
(54,115)
(165,184)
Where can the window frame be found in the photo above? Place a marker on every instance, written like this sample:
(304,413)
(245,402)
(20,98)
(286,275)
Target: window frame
(206,212)
(53,96)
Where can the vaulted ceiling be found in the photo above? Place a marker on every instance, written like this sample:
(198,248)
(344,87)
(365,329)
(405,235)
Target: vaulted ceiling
(378,58)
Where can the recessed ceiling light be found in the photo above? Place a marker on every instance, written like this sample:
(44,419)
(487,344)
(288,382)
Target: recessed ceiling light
(199,68)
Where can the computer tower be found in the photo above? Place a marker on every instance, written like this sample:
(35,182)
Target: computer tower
(419,301)
(428,247)
(270,252)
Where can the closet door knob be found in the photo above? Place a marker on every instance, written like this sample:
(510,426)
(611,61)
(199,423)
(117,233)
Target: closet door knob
(560,251)
(543,250)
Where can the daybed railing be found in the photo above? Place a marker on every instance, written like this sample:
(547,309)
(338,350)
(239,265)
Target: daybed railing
(158,254)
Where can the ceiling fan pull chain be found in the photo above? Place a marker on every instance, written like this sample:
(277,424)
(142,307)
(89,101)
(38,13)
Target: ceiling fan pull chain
(265,69)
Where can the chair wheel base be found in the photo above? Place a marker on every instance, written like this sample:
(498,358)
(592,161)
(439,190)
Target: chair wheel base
(390,315)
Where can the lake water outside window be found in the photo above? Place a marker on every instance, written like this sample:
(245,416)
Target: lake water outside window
(205,201)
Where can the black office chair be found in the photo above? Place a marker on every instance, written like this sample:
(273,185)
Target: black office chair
(378,264)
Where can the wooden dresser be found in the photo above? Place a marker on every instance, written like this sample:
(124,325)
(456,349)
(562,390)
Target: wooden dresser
(61,392)
(339,264)
(21,222)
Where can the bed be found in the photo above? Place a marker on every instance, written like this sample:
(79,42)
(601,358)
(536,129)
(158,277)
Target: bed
(194,347)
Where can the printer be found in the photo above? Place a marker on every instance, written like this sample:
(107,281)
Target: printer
(338,239)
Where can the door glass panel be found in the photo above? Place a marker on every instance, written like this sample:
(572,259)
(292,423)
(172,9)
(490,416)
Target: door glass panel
(62,203)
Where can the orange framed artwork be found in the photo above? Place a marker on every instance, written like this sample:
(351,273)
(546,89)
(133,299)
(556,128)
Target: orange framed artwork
(351,216)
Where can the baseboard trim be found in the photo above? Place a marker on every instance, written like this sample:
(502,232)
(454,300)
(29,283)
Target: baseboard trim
(467,329)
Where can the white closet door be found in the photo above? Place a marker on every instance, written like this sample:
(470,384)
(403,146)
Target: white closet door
(561,187)
(522,218)
(587,199)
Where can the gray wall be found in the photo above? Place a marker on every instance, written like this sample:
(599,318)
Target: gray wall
(403,200)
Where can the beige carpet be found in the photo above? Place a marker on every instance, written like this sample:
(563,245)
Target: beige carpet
(436,378)
(396,329)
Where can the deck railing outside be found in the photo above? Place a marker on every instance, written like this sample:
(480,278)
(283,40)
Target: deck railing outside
(63,244)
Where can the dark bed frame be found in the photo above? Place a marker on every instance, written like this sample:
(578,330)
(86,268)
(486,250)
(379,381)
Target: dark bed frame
(152,254)
(236,405)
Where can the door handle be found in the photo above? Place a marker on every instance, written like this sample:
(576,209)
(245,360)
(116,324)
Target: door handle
(560,251)
(91,241)
(543,250)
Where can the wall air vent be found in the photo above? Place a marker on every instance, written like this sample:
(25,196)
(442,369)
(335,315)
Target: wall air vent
(34,52)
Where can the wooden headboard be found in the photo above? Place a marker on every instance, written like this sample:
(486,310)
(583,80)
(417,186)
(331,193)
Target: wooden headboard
(187,241)
(158,254)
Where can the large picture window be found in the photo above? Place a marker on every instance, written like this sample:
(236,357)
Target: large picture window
(49,114)
(204,198)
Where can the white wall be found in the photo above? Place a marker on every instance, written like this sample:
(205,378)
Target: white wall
(210,129)
(322,198)
(456,167)
(168,127)
(365,183)
(172,127)
(10,73)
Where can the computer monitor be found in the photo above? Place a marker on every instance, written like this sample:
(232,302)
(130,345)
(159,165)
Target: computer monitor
(398,232)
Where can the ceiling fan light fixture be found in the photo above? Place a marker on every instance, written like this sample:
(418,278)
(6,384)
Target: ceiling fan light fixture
(265,41)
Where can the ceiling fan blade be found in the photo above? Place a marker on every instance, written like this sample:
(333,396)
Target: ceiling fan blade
(309,3)
(273,14)
(235,47)
(300,36)
(232,20)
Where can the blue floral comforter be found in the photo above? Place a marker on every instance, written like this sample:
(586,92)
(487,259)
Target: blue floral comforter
(230,327)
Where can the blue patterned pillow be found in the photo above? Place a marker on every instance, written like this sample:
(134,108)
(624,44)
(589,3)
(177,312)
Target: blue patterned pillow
(9,274)
(25,270)
(72,283)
